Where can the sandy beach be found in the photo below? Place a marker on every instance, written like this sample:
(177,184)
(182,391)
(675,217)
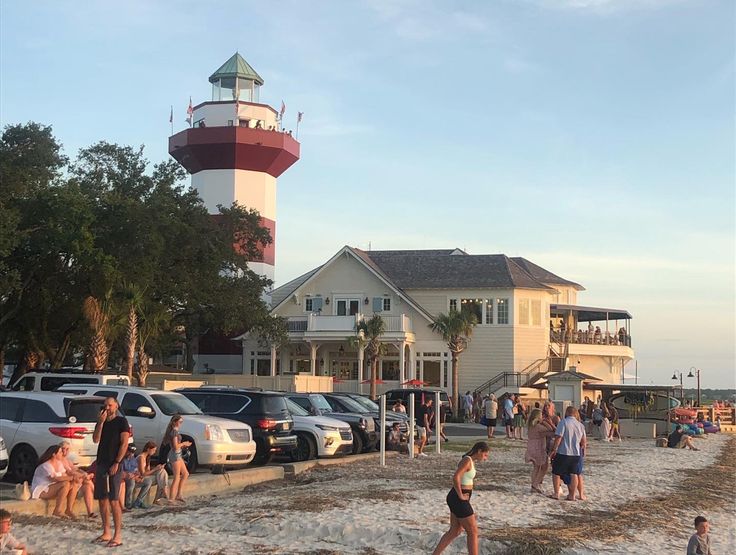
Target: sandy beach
(641,499)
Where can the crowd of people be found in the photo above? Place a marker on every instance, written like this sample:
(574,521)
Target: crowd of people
(119,479)
(593,335)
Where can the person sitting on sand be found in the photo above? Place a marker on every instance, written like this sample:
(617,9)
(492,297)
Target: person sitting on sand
(679,440)
(699,543)
(84,479)
(396,440)
(130,476)
(49,482)
(8,544)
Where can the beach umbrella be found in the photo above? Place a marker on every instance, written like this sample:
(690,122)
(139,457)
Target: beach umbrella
(377,381)
(415,382)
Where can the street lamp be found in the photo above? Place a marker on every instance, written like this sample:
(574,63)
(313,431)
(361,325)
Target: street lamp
(697,374)
(682,391)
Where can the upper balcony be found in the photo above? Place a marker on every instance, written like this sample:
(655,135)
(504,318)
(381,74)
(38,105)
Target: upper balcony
(585,330)
(318,326)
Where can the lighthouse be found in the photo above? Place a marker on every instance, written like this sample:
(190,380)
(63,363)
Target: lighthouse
(236,149)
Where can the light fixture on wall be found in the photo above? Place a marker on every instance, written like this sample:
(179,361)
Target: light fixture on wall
(341,350)
(327,300)
(365,301)
(321,362)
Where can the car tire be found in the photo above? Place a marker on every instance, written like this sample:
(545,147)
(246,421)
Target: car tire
(262,456)
(306,448)
(357,443)
(193,461)
(23,462)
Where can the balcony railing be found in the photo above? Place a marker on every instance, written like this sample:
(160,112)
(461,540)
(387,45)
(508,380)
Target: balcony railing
(590,338)
(328,323)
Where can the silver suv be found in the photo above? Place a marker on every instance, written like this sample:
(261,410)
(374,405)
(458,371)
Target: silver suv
(31,422)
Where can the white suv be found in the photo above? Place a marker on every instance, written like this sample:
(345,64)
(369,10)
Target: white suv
(215,441)
(50,381)
(3,459)
(31,422)
(319,436)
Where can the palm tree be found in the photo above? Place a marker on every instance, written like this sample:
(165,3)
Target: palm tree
(372,330)
(98,316)
(132,300)
(456,329)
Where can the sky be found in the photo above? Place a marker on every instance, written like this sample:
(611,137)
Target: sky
(593,137)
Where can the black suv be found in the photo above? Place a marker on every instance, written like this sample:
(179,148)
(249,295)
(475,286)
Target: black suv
(265,411)
(362,425)
(420,394)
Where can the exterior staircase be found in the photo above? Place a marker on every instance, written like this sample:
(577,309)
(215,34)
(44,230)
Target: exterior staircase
(555,362)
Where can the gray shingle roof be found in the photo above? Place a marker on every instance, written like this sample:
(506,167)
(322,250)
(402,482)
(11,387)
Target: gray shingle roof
(440,270)
(542,275)
(281,293)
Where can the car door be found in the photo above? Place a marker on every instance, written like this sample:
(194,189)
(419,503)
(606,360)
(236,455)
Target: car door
(145,427)
(11,410)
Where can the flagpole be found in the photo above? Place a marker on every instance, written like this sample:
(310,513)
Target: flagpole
(171,119)
(297,128)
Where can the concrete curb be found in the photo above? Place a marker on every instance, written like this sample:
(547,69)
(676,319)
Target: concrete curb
(197,485)
(292,469)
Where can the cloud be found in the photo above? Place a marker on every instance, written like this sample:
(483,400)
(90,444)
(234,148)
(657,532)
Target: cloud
(606,7)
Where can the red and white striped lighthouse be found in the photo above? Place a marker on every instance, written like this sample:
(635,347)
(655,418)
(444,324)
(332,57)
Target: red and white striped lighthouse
(236,149)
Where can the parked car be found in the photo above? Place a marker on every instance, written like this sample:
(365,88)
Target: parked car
(362,405)
(50,381)
(3,459)
(362,426)
(264,411)
(30,422)
(318,436)
(420,394)
(215,441)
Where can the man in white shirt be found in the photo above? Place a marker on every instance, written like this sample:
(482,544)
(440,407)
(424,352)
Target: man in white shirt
(570,442)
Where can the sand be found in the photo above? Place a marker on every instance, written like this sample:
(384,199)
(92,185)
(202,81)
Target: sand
(364,509)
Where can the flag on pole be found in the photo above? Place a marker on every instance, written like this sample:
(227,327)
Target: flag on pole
(299,116)
(283,109)
(171,114)
(190,112)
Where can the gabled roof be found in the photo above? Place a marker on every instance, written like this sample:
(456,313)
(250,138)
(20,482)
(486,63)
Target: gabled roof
(236,66)
(279,294)
(443,270)
(542,275)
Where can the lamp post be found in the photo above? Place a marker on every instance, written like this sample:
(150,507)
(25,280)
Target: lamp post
(682,391)
(697,374)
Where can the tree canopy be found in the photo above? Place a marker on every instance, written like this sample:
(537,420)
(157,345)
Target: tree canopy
(104,225)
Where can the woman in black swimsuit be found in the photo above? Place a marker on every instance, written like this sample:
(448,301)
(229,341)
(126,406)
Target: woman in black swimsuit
(462,516)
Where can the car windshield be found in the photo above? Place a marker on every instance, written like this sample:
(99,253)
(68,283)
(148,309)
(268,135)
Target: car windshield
(295,409)
(367,403)
(174,403)
(321,403)
(352,405)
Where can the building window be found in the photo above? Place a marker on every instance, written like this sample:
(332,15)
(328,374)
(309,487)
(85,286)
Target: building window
(244,123)
(453,305)
(524,312)
(474,307)
(489,311)
(536,313)
(308,304)
(390,369)
(229,123)
(386,305)
(502,307)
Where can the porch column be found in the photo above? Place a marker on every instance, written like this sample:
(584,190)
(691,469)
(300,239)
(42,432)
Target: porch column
(313,358)
(412,360)
(273,360)
(402,362)
(246,362)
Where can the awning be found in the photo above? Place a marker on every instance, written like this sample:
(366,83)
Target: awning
(589,313)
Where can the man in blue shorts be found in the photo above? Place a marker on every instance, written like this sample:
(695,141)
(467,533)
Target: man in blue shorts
(570,442)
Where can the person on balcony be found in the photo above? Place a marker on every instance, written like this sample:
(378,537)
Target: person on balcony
(597,335)
(591,332)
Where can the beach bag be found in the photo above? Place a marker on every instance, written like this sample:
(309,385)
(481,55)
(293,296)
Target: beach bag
(22,492)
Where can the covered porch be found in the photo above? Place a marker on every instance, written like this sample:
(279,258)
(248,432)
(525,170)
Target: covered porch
(585,325)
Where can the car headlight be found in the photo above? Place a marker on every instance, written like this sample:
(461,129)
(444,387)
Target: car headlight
(213,432)
(328,428)
(363,423)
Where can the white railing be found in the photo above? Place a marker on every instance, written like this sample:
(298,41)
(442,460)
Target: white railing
(319,322)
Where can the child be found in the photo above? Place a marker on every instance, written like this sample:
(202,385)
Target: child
(699,543)
(8,544)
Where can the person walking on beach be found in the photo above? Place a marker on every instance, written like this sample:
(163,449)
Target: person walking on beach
(519,418)
(699,543)
(539,430)
(462,516)
(490,411)
(468,406)
(422,423)
(111,435)
(508,417)
(570,440)
(175,459)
